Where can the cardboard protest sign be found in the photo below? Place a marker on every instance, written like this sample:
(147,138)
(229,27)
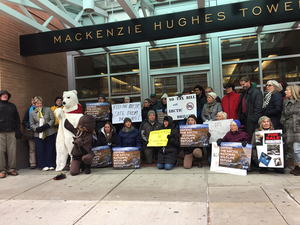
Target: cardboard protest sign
(158,138)
(130,110)
(99,110)
(182,107)
(193,135)
(102,156)
(218,129)
(269,146)
(161,115)
(126,158)
(231,157)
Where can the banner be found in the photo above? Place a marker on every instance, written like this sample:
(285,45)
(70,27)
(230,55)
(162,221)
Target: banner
(102,156)
(231,157)
(99,110)
(193,135)
(158,138)
(126,158)
(181,107)
(269,146)
(218,129)
(131,110)
(161,115)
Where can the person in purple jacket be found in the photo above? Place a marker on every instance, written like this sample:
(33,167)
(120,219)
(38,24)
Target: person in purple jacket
(236,134)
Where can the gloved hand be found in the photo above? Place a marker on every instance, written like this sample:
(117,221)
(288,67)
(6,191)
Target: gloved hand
(244,143)
(42,128)
(18,134)
(219,141)
(169,136)
(283,137)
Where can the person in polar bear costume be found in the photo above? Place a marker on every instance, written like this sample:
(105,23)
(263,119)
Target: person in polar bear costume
(72,111)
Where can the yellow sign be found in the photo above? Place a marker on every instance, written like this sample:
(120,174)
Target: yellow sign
(158,138)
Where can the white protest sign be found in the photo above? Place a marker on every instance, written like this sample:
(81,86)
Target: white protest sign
(182,107)
(130,110)
(218,129)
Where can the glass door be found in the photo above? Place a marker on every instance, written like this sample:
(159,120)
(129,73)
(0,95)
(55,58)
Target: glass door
(192,79)
(166,84)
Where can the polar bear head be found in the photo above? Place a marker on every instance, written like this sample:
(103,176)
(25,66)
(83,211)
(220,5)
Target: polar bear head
(70,100)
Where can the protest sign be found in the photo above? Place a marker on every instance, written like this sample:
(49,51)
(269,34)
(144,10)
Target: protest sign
(130,110)
(269,146)
(218,129)
(158,138)
(102,156)
(231,157)
(161,115)
(193,135)
(126,158)
(99,110)
(182,107)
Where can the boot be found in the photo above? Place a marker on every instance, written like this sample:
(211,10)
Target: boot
(87,168)
(82,167)
(200,165)
(294,170)
(297,171)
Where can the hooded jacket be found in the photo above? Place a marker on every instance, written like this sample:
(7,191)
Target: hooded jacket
(169,153)
(102,139)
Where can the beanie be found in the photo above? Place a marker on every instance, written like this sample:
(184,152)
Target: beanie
(151,112)
(262,119)
(192,117)
(213,95)
(237,122)
(57,98)
(127,119)
(164,96)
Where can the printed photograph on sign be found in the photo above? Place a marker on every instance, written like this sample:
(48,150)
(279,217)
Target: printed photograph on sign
(126,158)
(102,156)
(194,135)
(99,110)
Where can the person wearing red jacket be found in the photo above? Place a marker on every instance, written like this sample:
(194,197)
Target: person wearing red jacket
(230,102)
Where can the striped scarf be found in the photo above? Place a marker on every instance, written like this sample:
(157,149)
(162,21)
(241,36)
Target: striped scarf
(267,99)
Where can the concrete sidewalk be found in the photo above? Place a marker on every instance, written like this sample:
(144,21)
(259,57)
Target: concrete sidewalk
(150,196)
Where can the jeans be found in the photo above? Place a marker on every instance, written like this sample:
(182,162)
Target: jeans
(164,166)
(296,153)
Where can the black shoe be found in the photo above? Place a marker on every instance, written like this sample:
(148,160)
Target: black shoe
(87,169)
(32,167)
(263,170)
(200,163)
(256,161)
(279,170)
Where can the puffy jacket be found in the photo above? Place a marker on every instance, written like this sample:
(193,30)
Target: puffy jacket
(230,105)
(169,153)
(238,136)
(274,110)
(129,139)
(101,139)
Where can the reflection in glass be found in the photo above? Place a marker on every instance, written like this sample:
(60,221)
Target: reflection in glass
(239,48)
(124,61)
(190,81)
(92,87)
(90,65)
(165,85)
(125,84)
(163,57)
(194,54)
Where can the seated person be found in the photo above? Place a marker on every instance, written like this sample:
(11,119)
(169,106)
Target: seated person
(128,136)
(107,136)
(222,116)
(167,156)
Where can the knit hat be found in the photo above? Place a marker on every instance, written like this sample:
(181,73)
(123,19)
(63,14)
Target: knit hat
(127,119)
(57,98)
(262,119)
(126,97)
(151,112)
(213,95)
(102,97)
(164,96)
(237,122)
(192,117)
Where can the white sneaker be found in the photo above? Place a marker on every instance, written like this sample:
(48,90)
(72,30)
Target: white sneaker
(45,168)
(51,168)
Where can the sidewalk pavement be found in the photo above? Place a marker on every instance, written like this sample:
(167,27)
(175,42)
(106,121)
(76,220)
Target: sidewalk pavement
(150,196)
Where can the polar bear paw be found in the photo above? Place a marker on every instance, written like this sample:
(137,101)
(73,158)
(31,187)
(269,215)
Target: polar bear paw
(59,113)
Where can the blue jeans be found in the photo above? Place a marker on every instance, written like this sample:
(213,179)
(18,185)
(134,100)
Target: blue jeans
(164,166)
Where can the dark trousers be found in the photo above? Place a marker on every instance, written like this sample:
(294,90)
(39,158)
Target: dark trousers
(76,163)
(45,151)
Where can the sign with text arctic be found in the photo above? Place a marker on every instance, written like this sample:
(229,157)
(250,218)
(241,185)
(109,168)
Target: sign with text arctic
(197,21)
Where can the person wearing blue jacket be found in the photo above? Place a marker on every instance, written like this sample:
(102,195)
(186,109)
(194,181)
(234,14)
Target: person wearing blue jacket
(129,136)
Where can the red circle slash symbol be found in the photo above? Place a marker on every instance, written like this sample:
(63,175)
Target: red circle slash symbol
(189,106)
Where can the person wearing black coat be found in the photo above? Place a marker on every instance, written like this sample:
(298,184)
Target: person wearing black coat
(129,136)
(107,136)
(147,107)
(167,156)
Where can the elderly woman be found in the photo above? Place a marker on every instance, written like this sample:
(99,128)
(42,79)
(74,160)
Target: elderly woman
(273,103)
(42,122)
(211,108)
(222,116)
(290,120)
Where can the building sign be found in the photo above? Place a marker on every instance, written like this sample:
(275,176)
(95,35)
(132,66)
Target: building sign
(192,22)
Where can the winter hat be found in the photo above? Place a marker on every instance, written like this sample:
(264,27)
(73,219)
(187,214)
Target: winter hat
(127,119)
(262,119)
(102,97)
(213,95)
(153,95)
(192,117)
(126,97)
(57,98)
(164,96)
(151,112)
(5,92)
(237,122)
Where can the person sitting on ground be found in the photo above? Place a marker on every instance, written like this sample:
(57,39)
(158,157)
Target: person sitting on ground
(211,108)
(191,152)
(222,116)
(107,136)
(129,136)
(167,156)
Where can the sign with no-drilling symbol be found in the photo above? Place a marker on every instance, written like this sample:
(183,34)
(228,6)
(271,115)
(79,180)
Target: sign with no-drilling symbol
(189,106)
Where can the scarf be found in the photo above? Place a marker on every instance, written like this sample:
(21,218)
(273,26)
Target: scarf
(267,99)
(41,115)
(209,108)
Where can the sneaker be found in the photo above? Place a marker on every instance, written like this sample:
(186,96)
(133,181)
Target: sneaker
(45,168)
(51,168)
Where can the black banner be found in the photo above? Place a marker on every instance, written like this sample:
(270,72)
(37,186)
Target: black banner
(199,21)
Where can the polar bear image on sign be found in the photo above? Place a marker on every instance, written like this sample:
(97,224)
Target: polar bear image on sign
(72,111)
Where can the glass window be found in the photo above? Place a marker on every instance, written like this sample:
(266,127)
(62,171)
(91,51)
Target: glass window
(165,85)
(163,57)
(190,81)
(239,48)
(194,54)
(125,84)
(281,70)
(281,43)
(90,65)
(232,73)
(124,61)
(92,87)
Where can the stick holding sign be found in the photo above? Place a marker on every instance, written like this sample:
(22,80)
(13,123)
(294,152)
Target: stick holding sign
(158,138)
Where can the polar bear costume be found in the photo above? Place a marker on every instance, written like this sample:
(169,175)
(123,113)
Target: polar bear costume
(72,111)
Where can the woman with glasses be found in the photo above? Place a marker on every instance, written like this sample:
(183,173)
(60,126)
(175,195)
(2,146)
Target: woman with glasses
(273,103)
